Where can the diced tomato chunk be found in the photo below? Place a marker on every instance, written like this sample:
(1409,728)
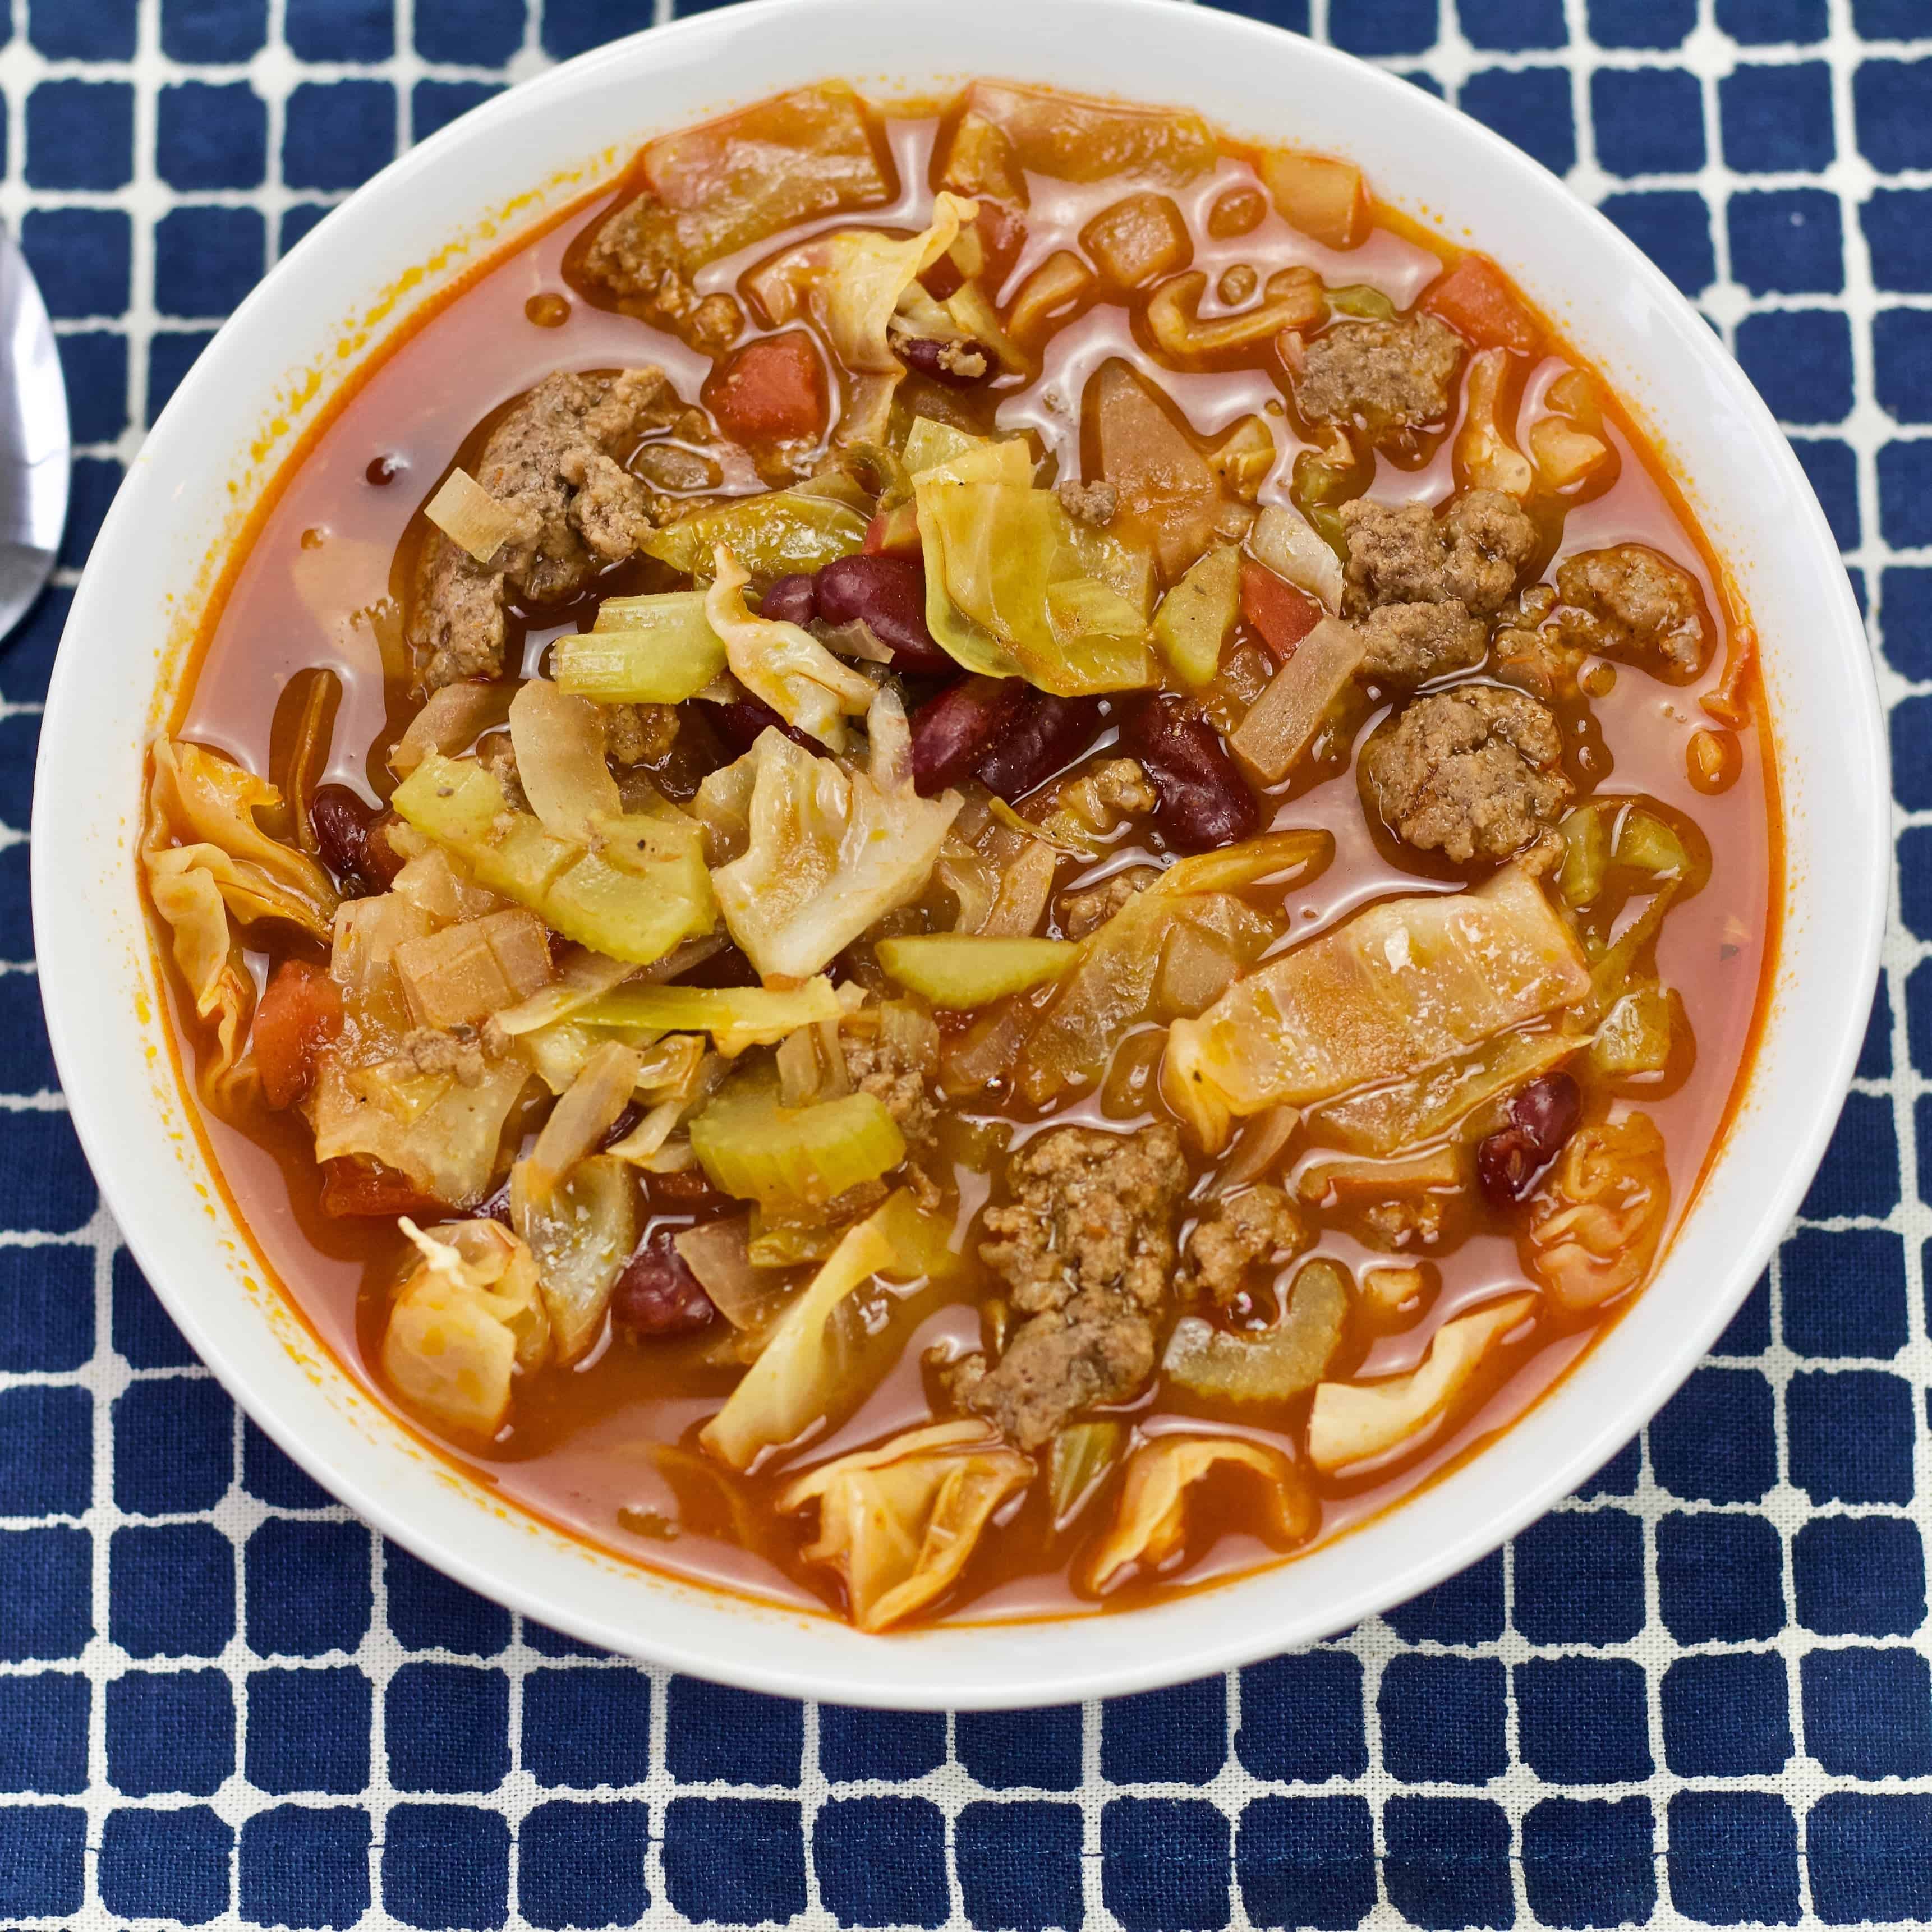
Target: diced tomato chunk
(894,533)
(770,390)
(1277,612)
(355,1187)
(1475,299)
(300,1014)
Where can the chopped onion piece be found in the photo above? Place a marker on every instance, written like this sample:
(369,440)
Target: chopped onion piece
(719,1252)
(473,519)
(1282,723)
(1287,543)
(450,722)
(595,1098)
(559,741)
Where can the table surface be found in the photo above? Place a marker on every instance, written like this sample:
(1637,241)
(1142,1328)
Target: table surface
(1698,1691)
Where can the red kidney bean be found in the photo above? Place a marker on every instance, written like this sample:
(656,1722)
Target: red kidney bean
(930,357)
(1046,737)
(1547,1110)
(1204,801)
(887,594)
(791,600)
(1542,1116)
(739,722)
(342,819)
(657,1294)
(628,1118)
(952,732)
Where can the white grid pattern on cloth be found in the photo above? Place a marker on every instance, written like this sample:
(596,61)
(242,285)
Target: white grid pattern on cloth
(1708,54)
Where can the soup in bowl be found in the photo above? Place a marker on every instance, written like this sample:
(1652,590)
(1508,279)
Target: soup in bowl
(969,858)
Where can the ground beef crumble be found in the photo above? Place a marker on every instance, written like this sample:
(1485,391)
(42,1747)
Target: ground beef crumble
(1087,1248)
(553,460)
(1422,585)
(639,734)
(1473,771)
(1379,375)
(1629,602)
(1236,1232)
(1088,502)
(1086,911)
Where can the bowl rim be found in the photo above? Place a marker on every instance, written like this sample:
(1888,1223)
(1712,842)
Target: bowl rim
(1010,1668)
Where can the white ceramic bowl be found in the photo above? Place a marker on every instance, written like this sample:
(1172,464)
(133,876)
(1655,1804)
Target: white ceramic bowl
(356,280)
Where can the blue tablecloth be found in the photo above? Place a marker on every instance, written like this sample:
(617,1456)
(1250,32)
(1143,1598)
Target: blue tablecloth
(1698,1691)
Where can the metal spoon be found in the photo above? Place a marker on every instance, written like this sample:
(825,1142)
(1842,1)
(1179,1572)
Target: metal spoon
(36,449)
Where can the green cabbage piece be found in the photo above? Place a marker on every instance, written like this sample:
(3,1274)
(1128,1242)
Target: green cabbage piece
(830,851)
(1014,588)
(784,531)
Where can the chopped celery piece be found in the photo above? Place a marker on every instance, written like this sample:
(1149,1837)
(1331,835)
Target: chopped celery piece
(1282,1361)
(644,650)
(1586,854)
(737,1017)
(1358,299)
(1635,1035)
(773,536)
(958,970)
(1084,1454)
(1645,843)
(1196,618)
(643,891)
(778,1244)
(793,1160)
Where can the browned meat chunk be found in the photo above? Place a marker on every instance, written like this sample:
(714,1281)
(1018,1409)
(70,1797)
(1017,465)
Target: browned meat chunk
(1422,583)
(1473,771)
(1379,375)
(1631,603)
(637,734)
(635,249)
(1409,644)
(1087,911)
(1236,1232)
(1404,554)
(556,459)
(893,1059)
(1088,502)
(1086,1247)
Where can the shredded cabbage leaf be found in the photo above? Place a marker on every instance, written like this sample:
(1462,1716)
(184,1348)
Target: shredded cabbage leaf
(231,867)
(582,1231)
(1115,979)
(1150,1521)
(1351,1422)
(1014,588)
(855,279)
(207,799)
(901,1521)
(734,181)
(372,1097)
(804,1372)
(829,852)
(468,1318)
(783,663)
(775,535)
(1406,983)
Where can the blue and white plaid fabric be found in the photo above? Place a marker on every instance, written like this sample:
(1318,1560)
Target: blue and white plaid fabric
(1697,1692)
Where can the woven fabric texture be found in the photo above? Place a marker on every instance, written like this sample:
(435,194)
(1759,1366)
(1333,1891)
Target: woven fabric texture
(1697,1692)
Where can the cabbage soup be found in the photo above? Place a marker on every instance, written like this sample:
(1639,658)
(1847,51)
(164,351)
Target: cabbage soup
(969,860)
